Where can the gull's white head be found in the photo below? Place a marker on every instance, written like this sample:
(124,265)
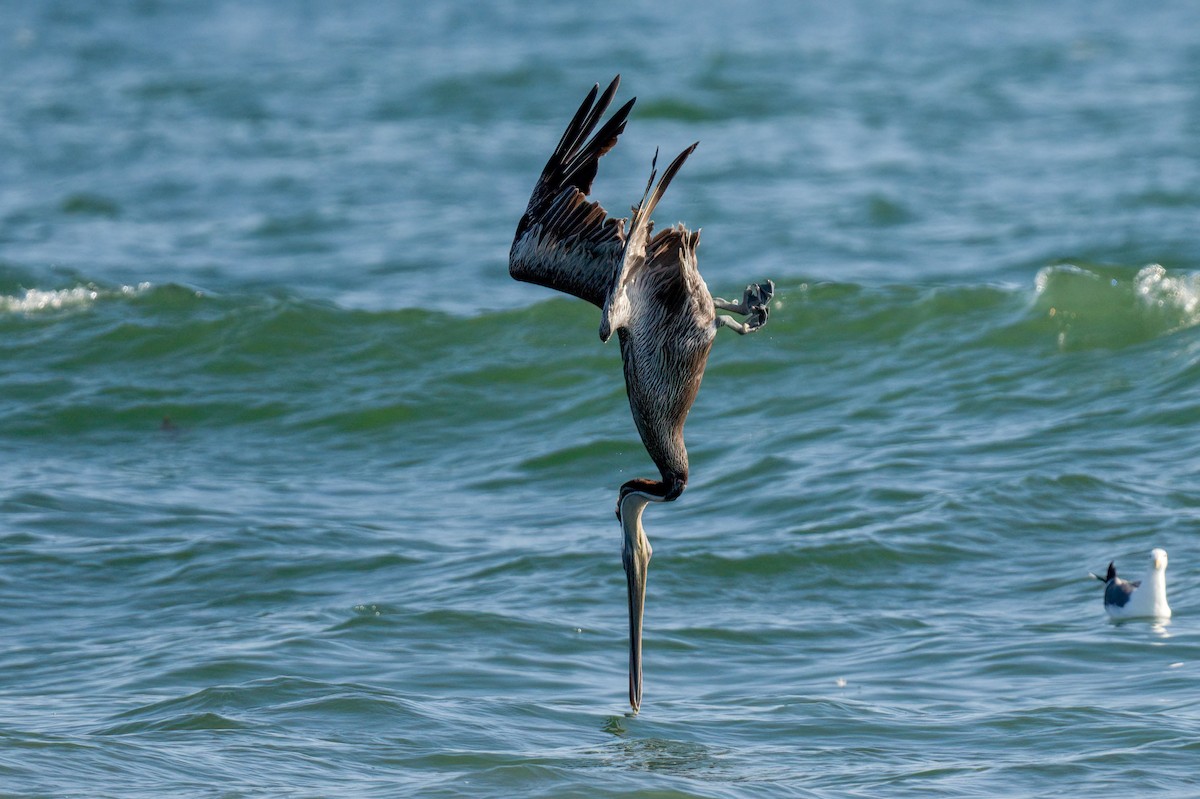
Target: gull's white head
(1158,560)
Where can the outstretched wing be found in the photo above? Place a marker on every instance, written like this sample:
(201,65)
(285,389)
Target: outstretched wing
(563,241)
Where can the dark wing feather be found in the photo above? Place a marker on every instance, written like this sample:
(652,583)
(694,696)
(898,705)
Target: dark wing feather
(563,241)
(1118,592)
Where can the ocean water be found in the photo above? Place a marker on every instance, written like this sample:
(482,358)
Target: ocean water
(302,496)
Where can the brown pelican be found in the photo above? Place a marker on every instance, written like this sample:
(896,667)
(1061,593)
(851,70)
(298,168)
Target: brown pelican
(650,293)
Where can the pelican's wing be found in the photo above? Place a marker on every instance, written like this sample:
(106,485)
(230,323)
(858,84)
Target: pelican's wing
(563,241)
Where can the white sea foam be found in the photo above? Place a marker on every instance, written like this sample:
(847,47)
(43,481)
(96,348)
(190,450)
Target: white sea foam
(1175,294)
(37,300)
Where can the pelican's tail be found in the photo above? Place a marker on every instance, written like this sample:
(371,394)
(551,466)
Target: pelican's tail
(640,227)
(616,306)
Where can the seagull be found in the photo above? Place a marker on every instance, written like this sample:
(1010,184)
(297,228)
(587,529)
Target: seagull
(650,293)
(1126,600)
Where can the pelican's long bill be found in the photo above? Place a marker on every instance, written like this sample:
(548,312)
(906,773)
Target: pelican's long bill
(635,555)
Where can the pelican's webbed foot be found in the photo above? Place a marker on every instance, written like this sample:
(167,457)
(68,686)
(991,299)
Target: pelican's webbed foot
(755,304)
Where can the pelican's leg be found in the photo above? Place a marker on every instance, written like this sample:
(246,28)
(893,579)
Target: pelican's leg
(756,296)
(741,328)
(755,304)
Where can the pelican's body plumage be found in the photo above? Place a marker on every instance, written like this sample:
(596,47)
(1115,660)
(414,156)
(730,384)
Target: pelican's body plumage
(650,293)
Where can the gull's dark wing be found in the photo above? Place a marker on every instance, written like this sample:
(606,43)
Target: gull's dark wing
(563,241)
(1118,591)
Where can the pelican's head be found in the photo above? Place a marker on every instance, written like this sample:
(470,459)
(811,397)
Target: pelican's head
(1158,560)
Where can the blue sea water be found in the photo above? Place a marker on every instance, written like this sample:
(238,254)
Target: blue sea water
(301,495)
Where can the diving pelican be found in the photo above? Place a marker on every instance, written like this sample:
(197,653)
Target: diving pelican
(650,293)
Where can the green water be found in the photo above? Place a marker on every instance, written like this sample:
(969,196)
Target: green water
(301,495)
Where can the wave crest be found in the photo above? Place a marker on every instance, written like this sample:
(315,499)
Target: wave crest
(1094,306)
